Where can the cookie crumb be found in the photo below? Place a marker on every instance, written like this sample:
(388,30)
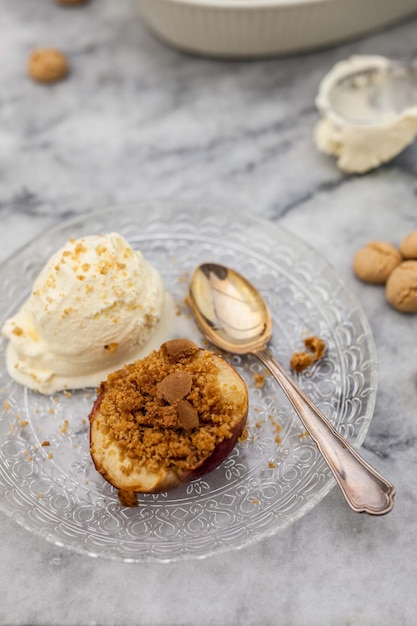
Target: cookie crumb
(401,287)
(302,360)
(127,498)
(259,380)
(244,436)
(179,349)
(47,65)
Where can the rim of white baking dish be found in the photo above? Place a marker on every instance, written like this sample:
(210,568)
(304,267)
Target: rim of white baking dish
(252,4)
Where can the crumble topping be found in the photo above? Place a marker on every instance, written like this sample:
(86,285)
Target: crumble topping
(167,410)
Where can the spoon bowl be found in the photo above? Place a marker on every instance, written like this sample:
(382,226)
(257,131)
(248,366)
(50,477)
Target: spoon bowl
(232,314)
(231,311)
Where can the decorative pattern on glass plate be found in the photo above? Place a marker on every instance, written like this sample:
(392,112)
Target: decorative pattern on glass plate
(47,481)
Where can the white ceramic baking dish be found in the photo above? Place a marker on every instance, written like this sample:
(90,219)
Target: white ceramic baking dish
(251,28)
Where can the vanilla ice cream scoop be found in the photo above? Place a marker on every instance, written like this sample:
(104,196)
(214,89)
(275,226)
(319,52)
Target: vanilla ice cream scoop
(95,306)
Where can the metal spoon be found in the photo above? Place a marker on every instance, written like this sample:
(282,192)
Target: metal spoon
(232,314)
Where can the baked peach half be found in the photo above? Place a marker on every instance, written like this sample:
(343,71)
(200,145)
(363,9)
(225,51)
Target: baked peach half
(167,419)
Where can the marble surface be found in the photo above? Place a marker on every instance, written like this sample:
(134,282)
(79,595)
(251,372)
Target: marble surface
(135,120)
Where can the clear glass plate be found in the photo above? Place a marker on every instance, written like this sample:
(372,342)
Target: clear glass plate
(271,479)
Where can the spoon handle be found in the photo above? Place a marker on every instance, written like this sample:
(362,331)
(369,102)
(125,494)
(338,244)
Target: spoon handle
(365,489)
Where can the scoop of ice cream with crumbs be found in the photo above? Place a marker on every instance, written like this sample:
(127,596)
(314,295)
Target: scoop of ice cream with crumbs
(96,305)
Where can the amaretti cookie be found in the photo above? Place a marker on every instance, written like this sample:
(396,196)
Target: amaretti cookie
(374,262)
(47,65)
(70,2)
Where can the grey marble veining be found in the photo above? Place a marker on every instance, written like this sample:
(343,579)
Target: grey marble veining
(135,120)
